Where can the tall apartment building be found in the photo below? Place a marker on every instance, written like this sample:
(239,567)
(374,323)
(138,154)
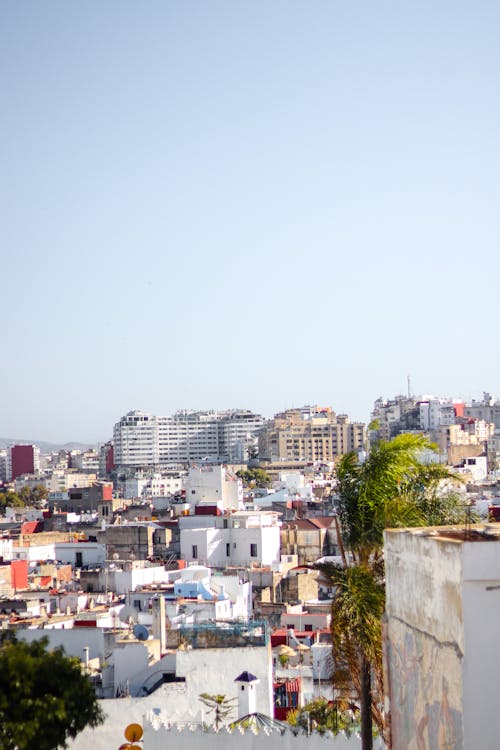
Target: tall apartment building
(22,459)
(310,434)
(146,440)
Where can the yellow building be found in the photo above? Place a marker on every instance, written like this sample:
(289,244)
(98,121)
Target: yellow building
(311,434)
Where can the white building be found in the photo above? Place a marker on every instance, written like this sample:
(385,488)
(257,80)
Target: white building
(476,466)
(244,538)
(77,554)
(435,413)
(156,485)
(198,595)
(142,439)
(213,483)
(87,461)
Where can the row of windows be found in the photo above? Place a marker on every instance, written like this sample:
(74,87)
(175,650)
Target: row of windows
(253,550)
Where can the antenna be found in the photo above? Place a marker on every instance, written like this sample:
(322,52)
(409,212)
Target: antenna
(409,388)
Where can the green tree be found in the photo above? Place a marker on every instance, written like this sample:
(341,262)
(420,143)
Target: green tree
(10,499)
(391,488)
(25,494)
(45,699)
(254,477)
(321,715)
(34,496)
(219,705)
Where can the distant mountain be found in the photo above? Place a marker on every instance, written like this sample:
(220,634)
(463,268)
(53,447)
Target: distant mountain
(46,447)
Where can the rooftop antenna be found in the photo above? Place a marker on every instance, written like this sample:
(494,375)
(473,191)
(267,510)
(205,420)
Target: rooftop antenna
(409,389)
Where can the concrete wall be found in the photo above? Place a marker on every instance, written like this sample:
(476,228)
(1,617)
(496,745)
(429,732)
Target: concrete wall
(443,610)
(425,641)
(73,640)
(92,553)
(123,581)
(130,660)
(213,670)
(211,545)
(157,737)
(124,711)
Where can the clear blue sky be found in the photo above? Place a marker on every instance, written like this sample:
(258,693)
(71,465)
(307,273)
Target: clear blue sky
(262,204)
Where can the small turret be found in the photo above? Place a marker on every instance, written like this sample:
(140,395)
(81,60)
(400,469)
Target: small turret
(247,693)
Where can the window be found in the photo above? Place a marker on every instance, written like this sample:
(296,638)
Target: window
(194,550)
(79,559)
(228,550)
(253,550)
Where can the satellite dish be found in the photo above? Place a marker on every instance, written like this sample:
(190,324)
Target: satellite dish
(128,613)
(133,732)
(140,632)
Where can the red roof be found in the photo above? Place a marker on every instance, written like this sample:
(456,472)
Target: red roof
(292,685)
(31,527)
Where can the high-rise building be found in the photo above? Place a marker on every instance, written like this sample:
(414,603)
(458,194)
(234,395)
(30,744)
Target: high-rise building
(146,440)
(310,434)
(22,459)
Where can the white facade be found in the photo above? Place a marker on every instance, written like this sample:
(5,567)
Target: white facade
(87,461)
(476,466)
(136,440)
(243,539)
(158,485)
(80,554)
(77,554)
(214,484)
(435,413)
(142,439)
(135,577)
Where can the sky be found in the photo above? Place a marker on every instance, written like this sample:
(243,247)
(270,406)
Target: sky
(211,204)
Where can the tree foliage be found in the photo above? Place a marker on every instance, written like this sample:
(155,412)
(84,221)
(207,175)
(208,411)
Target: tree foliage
(391,488)
(45,699)
(10,499)
(320,715)
(254,477)
(219,705)
(34,496)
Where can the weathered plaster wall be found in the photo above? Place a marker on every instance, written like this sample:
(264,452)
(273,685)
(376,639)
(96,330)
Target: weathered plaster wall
(213,670)
(196,740)
(424,579)
(443,609)
(425,690)
(425,640)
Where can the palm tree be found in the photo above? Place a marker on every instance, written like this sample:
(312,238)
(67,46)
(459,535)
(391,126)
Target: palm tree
(221,707)
(391,488)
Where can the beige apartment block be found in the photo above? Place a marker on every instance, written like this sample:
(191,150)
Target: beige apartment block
(311,434)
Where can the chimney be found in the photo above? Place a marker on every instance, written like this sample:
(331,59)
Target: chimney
(85,657)
(159,622)
(247,694)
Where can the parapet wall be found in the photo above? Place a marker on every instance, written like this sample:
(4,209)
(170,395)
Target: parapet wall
(158,736)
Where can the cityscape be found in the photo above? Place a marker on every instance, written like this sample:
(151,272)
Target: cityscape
(249,433)
(189,554)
